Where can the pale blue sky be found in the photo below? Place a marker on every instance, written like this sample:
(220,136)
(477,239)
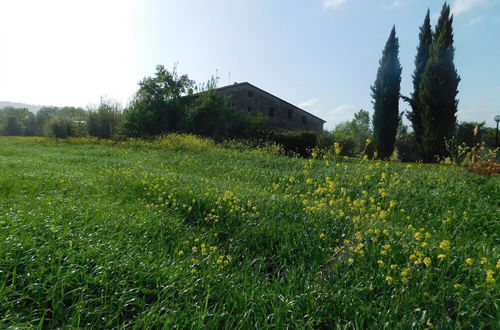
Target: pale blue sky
(320,54)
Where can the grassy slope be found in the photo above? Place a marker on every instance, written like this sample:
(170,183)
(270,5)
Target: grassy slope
(108,236)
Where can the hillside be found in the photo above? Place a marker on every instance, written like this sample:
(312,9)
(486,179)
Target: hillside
(31,107)
(183,232)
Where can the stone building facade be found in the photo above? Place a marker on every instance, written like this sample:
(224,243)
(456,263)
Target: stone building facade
(252,100)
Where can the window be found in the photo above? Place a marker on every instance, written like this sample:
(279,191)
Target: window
(250,93)
(249,109)
(290,114)
(233,104)
(271,112)
(303,119)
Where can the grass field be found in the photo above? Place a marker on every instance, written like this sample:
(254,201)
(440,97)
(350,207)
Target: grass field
(183,233)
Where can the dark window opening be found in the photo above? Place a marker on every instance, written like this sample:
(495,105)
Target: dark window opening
(303,119)
(250,93)
(290,114)
(233,104)
(249,109)
(271,112)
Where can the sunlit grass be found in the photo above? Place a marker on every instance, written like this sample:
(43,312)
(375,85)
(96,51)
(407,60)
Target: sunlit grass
(180,231)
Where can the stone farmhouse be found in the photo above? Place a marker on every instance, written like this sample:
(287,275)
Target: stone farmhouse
(252,100)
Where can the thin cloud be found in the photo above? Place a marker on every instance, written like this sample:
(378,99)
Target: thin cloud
(343,108)
(333,3)
(461,6)
(474,21)
(341,113)
(397,3)
(308,103)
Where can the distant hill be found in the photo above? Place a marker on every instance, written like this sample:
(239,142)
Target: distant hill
(31,107)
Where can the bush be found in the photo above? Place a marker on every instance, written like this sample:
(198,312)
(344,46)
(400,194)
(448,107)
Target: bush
(326,140)
(211,115)
(296,142)
(347,144)
(104,122)
(406,148)
(158,106)
(61,127)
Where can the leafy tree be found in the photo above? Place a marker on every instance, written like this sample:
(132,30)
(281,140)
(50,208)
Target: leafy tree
(423,54)
(45,114)
(16,121)
(210,114)
(105,121)
(13,126)
(158,105)
(361,129)
(60,127)
(438,91)
(385,93)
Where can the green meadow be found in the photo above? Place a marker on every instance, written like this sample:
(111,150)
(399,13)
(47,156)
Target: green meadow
(184,233)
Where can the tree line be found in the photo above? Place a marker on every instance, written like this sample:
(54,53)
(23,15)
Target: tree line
(164,103)
(433,101)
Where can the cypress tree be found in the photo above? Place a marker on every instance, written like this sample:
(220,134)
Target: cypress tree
(438,90)
(423,54)
(385,94)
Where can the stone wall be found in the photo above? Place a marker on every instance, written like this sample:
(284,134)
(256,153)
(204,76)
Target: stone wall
(253,101)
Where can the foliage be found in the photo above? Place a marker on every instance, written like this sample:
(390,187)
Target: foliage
(141,234)
(421,59)
(209,114)
(45,114)
(406,148)
(158,106)
(469,133)
(385,94)
(14,121)
(438,91)
(296,142)
(61,127)
(105,121)
(352,135)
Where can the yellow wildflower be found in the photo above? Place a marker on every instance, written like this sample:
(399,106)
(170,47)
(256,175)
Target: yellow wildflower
(321,236)
(380,262)
(489,276)
(445,245)
(469,261)
(427,261)
(181,252)
(389,279)
(483,261)
(441,256)
(393,266)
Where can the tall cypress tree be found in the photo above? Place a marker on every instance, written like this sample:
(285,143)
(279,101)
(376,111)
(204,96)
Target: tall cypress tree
(438,90)
(385,94)
(423,54)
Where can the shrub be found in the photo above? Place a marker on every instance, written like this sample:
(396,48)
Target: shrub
(158,106)
(210,115)
(104,122)
(347,144)
(326,140)
(406,148)
(61,127)
(299,142)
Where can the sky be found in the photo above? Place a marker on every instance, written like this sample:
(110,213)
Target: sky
(321,55)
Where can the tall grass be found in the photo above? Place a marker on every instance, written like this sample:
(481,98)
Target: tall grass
(182,232)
